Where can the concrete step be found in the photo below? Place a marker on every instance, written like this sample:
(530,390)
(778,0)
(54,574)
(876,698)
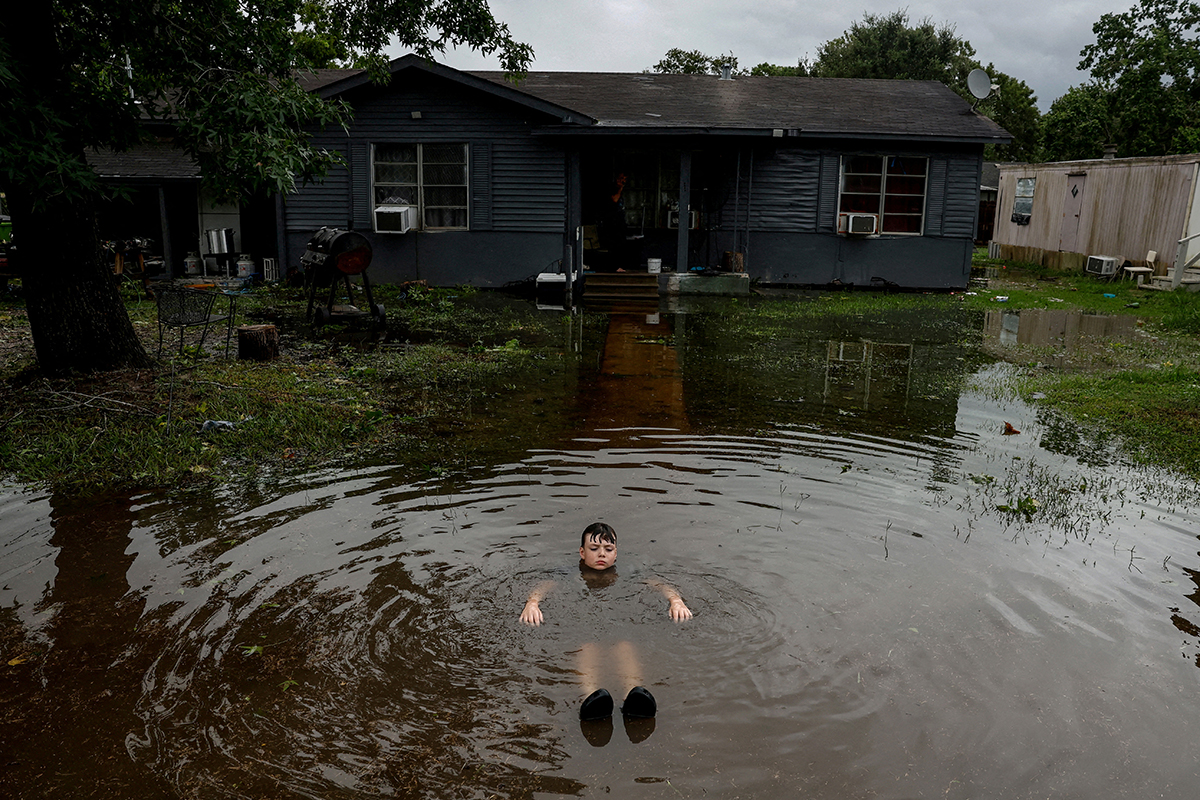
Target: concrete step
(1190,281)
(620,286)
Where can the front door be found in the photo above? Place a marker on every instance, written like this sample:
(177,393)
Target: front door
(1072,207)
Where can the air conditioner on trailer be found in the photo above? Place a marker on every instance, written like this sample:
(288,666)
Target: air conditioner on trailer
(861,224)
(1101,265)
(393,219)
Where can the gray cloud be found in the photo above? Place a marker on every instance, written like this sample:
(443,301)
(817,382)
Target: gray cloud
(1037,42)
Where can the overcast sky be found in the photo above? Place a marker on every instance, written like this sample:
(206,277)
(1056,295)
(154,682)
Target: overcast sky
(1037,41)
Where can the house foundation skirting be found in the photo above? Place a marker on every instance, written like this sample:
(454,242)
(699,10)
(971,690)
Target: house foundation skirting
(1053,259)
(1059,260)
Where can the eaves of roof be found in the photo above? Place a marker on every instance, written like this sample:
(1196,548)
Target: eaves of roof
(763,133)
(329,83)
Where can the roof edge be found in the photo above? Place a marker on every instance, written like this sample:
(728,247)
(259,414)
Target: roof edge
(413,61)
(1176,158)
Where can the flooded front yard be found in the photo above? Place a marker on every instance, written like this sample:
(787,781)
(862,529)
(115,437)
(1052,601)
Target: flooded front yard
(893,597)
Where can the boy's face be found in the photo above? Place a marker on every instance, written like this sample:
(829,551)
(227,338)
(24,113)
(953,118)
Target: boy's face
(597,554)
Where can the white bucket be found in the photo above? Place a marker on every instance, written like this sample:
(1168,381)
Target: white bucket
(654,265)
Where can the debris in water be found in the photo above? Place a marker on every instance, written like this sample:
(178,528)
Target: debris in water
(1009,430)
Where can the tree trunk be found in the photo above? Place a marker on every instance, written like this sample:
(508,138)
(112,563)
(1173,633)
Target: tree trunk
(76,315)
(78,321)
(258,342)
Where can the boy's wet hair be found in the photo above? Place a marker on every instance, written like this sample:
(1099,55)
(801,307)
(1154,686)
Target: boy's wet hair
(600,532)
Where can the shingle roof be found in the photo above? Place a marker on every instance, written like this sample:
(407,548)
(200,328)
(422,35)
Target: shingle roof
(146,160)
(811,106)
(990,177)
(648,102)
(313,80)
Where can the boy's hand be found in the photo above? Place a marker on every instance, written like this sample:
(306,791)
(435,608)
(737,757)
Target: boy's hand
(532,614)
(679,611)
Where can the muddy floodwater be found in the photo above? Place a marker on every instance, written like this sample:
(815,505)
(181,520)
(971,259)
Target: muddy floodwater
(892,597)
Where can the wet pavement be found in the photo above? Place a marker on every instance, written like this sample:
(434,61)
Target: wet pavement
(892,597)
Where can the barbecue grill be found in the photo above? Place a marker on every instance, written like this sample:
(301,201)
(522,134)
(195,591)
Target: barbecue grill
(332,257)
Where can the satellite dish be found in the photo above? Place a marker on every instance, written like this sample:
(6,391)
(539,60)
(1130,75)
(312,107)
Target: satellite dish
(979,83)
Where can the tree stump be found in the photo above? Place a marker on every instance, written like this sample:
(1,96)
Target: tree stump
(257,342)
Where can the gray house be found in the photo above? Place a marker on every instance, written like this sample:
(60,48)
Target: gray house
(463,177)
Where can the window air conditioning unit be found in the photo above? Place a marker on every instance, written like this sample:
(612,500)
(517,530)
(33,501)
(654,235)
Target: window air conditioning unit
(858,224)
(1101,265)
(393,219)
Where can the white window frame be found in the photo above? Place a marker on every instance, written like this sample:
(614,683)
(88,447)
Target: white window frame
(879,207)
(1025,191)
(420,207)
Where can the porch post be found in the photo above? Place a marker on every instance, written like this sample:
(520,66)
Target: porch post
(168,253)
(685,197)
(574,215)
(281,253)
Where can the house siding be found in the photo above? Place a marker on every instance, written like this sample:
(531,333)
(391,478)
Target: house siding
(793,216)
(787,191)
(516,185)
(326,202)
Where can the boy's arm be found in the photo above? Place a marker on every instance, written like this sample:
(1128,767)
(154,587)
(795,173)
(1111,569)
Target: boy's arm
(676,607)
(532,614)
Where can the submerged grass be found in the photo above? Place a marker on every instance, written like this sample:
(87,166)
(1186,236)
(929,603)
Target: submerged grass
(457,362)
(1144,391)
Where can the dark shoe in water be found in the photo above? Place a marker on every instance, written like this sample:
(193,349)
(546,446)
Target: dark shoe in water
(639,703)
(597,705)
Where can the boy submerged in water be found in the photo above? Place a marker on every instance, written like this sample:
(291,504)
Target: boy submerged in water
(598,553)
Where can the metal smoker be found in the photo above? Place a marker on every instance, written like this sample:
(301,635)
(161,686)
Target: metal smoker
(332,257)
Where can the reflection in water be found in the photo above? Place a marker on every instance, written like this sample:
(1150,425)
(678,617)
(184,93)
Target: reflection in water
(1067,334)
(86,649)
(858,371)
(1058,328)
(639,384)
(892,598)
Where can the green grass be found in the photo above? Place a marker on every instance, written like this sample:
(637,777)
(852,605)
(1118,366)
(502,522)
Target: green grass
(460,364)
(1146,391)
(1154,412)
(322,402)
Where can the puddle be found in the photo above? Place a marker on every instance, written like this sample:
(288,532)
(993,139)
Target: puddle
(892,598)
(1064,339)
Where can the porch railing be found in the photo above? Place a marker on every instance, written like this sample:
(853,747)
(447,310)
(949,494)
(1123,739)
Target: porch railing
(1182,265)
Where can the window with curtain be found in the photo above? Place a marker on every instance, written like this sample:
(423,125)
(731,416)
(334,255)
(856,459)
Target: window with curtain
(431,179)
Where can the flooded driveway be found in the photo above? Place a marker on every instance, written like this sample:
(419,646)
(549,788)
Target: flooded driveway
(892,597)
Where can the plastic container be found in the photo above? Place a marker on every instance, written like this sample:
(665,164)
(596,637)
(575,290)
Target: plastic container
(245,266)
(191,264)
(654,265)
